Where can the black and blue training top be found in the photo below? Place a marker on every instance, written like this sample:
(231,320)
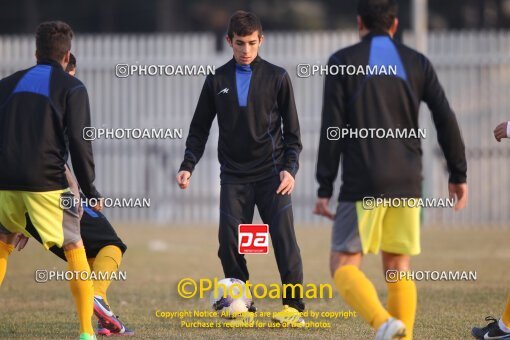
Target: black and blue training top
(43,111)
(383,167)
(258,123)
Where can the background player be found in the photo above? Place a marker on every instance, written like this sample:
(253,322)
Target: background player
(103,247)
(40,109)
(497,329)
(389,168)
(253,99)
(71,66)
(104,251)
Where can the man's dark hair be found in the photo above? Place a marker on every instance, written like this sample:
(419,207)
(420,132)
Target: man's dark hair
(243,23)
(377,15)
(72,63)
(53,40)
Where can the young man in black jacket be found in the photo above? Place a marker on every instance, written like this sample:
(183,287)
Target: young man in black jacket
(258,149)
(384,168)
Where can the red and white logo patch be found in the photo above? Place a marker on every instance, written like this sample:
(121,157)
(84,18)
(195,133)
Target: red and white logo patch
(253,239)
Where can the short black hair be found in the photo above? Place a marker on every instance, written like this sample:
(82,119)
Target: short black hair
(378,15)
(53,40)
(72,63)
(243,23)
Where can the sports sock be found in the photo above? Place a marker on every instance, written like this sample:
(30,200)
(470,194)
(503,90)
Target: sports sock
(5,250)
(402,300)
(506,314)
(107,261)
(359,293)
(81,289)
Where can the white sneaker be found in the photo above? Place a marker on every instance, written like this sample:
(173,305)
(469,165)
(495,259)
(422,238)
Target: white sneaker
(391,329)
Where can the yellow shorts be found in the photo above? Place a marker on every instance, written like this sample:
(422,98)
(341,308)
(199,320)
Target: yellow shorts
(56,225)
(390,229)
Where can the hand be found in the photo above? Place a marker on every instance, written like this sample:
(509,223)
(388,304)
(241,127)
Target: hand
(501,131)
(79,205)
(98,207)
(182,179)
(20,241)
(460,192)
(322,208)
(73,186)
(287,183)
(80,211)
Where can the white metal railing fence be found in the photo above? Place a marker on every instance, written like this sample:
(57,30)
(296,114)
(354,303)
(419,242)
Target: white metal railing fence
(474,68)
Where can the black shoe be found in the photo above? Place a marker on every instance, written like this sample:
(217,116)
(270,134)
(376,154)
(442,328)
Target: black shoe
(491,331)
(252,307)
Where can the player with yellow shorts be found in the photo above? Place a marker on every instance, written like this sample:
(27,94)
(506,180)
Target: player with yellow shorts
(370,126)
(57,226)
(360,230)
(43,112)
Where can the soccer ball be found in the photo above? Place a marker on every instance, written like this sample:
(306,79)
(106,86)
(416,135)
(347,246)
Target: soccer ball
(231,298)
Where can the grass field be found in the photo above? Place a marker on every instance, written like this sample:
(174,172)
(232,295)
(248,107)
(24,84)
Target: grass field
(157,258)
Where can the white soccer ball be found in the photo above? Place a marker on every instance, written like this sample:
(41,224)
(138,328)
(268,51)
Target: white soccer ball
(231,298)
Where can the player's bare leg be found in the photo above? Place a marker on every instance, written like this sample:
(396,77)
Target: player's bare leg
(339,259)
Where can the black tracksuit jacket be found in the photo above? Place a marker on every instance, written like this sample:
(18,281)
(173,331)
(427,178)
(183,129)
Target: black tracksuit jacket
(383,167)
(43,111)
(256,141)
